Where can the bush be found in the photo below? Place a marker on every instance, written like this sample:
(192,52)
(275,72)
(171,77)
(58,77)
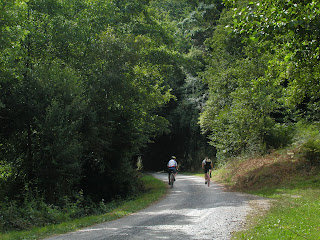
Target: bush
(308,138)
(14,217)
(280,135)
(34,212)
(311,151)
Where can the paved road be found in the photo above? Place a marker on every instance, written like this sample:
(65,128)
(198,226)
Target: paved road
(191,210)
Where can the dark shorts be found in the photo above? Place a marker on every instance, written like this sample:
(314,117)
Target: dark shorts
(206,169)
(172,169)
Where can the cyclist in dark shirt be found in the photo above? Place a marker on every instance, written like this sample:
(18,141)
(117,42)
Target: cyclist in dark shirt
(207,165)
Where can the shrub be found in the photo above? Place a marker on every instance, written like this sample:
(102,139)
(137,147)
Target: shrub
(308,138)
(311,151)
(34,212)
(280,135)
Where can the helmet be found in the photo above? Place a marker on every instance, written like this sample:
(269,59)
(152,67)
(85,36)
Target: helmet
(173,157)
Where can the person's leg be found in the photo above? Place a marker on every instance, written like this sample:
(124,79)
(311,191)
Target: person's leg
(205,176)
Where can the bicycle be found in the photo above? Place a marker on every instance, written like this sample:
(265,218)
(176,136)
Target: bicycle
(207,166)
(171,178)
(208,177)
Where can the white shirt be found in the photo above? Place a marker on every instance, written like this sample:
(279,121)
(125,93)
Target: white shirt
(204,162)
(172,163)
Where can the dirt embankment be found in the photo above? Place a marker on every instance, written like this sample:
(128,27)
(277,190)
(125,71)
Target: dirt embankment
(264,171)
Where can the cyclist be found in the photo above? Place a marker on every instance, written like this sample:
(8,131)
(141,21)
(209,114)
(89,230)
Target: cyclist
(207,165)
(172,167)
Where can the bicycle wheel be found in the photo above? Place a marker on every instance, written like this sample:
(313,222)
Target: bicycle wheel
(171,180)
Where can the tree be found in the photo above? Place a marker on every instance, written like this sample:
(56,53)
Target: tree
(289,30)
(239,116)
(82,97)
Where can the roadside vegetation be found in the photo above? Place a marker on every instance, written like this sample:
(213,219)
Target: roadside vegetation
(290,179)
(154,189)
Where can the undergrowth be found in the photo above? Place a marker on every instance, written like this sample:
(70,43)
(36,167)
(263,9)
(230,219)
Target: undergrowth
(34,212)
(46,220)
(291,180)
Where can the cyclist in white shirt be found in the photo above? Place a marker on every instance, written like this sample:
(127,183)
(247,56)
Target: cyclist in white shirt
(172,167)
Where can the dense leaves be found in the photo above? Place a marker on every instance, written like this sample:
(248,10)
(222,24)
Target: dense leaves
(191,22)
(262,75)
(290,31)
(80,86)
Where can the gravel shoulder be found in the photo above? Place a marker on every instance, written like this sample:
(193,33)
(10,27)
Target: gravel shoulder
(191,210)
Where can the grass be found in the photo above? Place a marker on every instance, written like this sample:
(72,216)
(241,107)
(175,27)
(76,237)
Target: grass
(295,214)
(155,190)
(293,186)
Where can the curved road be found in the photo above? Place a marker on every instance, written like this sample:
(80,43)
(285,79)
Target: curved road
(191,210)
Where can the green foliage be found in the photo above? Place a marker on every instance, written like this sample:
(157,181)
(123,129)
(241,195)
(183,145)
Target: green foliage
(280,135)
(35,212)
(287,29)
(190,23)
(311,150)
(259,81)
(198,25)
(81,83)
(308,138)
(237,114)
(74,214)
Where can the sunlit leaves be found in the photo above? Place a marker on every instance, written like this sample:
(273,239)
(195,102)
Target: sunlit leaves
(12,13)
(239,116)
(290,31)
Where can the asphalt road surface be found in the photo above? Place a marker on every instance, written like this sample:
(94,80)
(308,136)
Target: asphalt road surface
(191,210)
